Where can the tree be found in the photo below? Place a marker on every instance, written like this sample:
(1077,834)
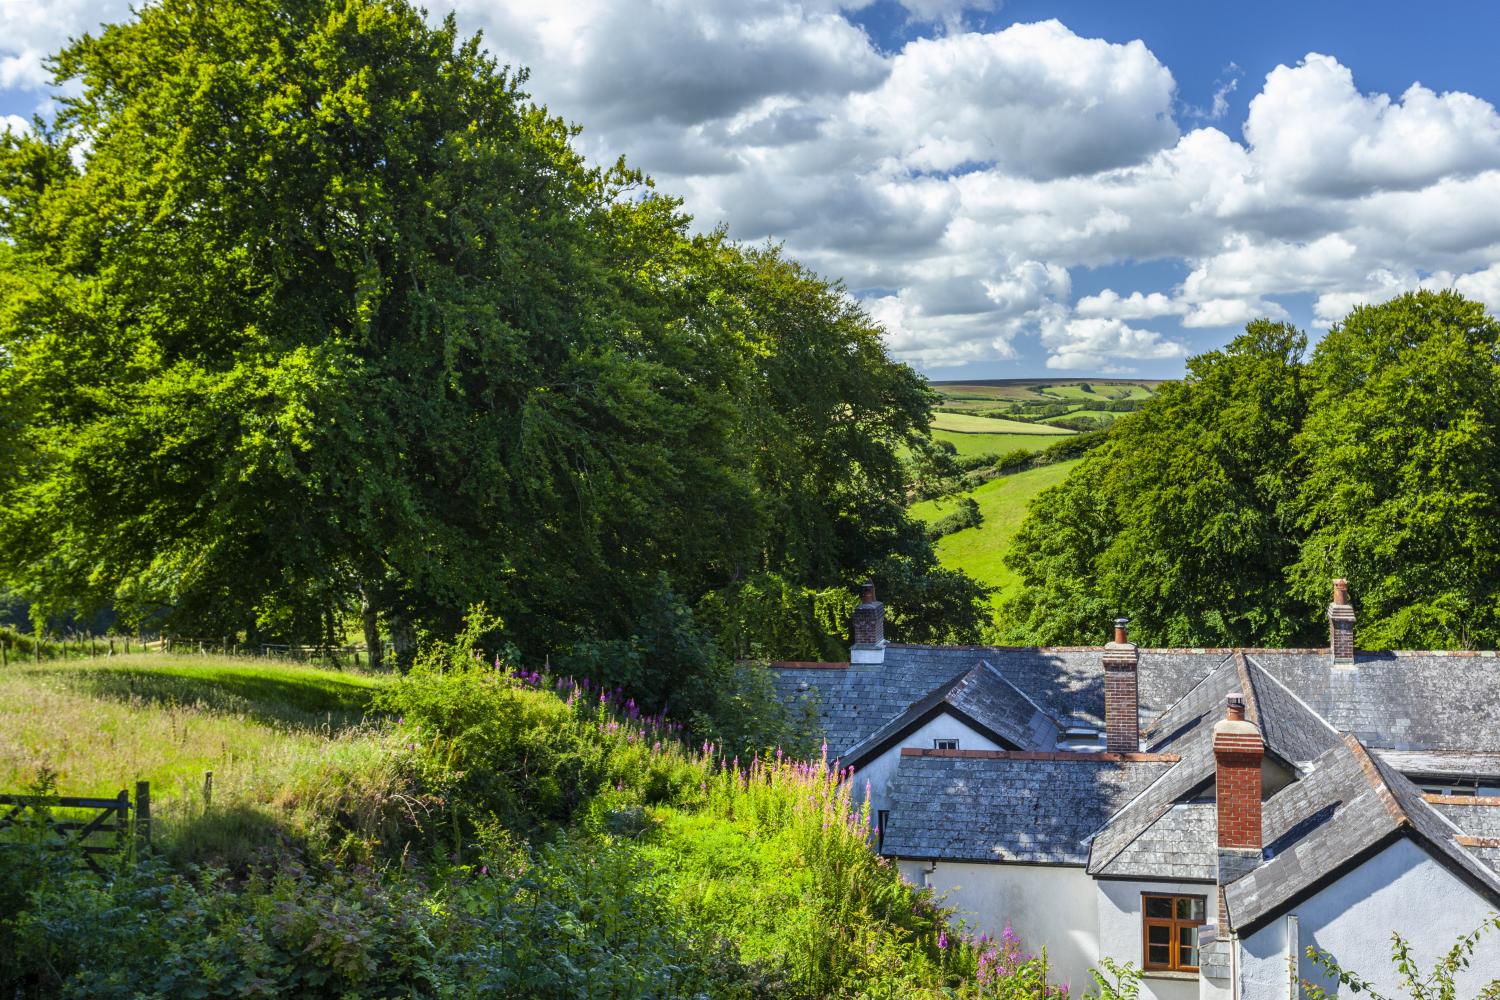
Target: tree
(1399,463)
(309,312)
(1178,520)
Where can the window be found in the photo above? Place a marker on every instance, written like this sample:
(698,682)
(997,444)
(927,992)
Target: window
(945,744)
(1170,931)
(882,817)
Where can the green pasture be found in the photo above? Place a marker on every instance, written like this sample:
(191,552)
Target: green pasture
(973,424)
(980,551)
(995,444)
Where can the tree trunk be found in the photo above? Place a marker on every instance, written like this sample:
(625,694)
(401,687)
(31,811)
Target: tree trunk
(372,628)
(403,641)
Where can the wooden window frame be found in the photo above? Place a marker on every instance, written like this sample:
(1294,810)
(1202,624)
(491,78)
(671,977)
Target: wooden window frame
(949,739)
(1175,924)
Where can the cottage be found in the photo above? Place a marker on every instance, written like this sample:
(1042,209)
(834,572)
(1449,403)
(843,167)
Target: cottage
(1207,814)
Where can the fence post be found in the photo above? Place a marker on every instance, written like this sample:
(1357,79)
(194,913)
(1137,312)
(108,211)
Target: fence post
(36,645)
(143,812)
(208,790)
(122,825)
(111,646)
(4,660)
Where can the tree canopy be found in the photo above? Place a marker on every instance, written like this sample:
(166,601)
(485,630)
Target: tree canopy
(308,308)
(1219,513)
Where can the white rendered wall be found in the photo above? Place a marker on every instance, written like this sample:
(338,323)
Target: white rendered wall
(1400,889)
(1047,906)
(879,771)
(1119,923)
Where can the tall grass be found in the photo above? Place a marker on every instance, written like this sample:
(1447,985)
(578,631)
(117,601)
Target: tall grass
(538,836)
(272,734)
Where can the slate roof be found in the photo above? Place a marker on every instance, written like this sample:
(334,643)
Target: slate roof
(1031,808)
(1445,765)
(983,699)
(1179,845)
(1479,819)
(1295,735)
(1067,684)
(1399,701)
(1348,806)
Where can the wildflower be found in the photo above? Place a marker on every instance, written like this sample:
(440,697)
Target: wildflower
(943,939)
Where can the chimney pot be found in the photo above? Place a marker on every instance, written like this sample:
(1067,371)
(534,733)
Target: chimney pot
(867,592)
(1120,633)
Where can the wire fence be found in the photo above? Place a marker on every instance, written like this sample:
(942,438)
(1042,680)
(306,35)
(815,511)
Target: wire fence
(24,647)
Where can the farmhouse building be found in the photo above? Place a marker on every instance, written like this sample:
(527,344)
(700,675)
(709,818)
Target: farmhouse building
(1207,814)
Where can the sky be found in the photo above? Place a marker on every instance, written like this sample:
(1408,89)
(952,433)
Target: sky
(1026,188)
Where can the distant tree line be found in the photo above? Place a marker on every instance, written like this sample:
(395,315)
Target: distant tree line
(1219,512)
(308,314)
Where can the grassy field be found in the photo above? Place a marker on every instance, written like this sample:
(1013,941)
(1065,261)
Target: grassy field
(268,731)
(995,444)
(969,424)
(980,551)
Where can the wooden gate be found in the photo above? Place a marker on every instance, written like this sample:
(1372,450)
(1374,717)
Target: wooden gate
(90,827)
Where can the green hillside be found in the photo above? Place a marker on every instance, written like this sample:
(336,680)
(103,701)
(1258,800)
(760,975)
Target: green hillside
(964,423)
(980,551)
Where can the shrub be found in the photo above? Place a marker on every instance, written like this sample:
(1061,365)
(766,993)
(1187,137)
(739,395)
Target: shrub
(965,515)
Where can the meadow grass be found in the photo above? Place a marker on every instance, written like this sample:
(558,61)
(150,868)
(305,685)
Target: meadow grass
(973,423)
(995,444)
(1003,502)
(273,733)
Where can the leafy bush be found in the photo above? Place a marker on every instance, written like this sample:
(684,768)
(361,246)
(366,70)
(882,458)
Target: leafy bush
(965,515)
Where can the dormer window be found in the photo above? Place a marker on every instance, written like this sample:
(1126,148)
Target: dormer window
(945,744)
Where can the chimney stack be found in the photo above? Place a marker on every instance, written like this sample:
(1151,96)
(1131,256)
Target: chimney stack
(1341,624)
(869,627)
(1122,718)
(1238,753)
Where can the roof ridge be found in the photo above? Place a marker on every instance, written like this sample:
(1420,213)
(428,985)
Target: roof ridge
(1485,654)
(1045,755)
(1182,698)
(1263,669)
(1376,780)
(1461,800)
(1247,689)
(1017,689)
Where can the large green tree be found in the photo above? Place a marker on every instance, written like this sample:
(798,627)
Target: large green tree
(1178,520)
(308,309)
(1221,511)
(1400,472)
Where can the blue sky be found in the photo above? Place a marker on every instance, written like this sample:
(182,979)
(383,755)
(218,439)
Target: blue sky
(1035,187)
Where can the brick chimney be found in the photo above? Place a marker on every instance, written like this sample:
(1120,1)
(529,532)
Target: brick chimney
(1238,753)
(1122,718)
(1341,624)
(869,627)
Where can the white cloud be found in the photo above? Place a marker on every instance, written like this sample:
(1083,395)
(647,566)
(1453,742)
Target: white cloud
(14,123)
(1108,304)
(34,29)
(1101,344)
(1313,130)
(1034,99)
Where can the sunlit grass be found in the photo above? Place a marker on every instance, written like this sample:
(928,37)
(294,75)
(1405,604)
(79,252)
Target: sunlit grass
(271,733)
(1003,502)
